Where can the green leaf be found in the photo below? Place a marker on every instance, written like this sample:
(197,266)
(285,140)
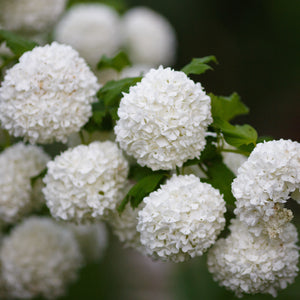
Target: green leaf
(112,91)
(118,62)
(105,111)
(17,44)
(141,190)
(236,135)
(208,153)
(38,176)
(220,177)
(199,65)
(226,108)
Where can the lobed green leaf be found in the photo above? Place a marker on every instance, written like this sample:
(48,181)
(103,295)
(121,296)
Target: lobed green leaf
(227,108)
(17,44)
(118,62)
(141,190)
(236,135)
(220,177)
(199,65)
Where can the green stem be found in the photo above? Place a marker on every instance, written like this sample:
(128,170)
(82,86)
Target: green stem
(82,137)
(203,170)
(7,139)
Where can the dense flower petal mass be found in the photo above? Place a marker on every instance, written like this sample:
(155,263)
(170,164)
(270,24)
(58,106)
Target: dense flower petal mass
(18,164)
(83,183)
(248,264)
(92,29)
(148,37)
(47,95)
(30,15)
(163,119)
(39,258)
(182,219)
(264,183)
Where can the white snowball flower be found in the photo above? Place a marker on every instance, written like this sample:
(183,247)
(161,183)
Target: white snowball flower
(30,15)
(92,240)
(83,183)
(264,183)
(92,29)
(163,119)
(18,164)
(135,71)
(149,37)
(244,263)
(233,160)
(39,258)
(47,95)
(182,219)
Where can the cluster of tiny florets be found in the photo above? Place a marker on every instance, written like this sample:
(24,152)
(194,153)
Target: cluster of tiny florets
(47,95)
(163,119)
(84,182)
(30,15)
(148,37)
(250,264)
(39,258)
(182,219)
(92,29)
(18,197)
(264,183)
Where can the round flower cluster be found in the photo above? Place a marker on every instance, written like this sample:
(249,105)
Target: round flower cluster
(182,219)
(30,15)
(163,119)
(264,183)
(47,95)
(39,258)
(92,29)
(84,182)
(148,37)
(248,264)
(92,240)
(18,164)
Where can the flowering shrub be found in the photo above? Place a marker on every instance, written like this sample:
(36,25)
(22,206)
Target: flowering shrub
(151,154)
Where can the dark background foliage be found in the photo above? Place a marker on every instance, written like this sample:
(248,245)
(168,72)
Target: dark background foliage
(257,44)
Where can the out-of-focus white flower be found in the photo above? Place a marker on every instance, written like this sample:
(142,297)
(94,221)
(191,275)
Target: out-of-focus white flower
(84,182)
(39,258)
(233,160)
(124,227)
(18,164)
(92,29)
(47,95)
(92,240)
(264,183)
(182,219)
(163,119)
(135,71)
(30,15)
(149,37)
(248,264)
(74,139)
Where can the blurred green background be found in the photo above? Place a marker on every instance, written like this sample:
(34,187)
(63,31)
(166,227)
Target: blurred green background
(257,44)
